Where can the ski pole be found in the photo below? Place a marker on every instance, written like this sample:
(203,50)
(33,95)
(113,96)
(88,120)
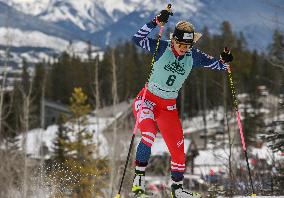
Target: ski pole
(240,125)
(140,108)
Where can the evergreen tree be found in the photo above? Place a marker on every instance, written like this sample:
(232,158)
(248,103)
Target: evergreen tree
(14,117)
(205,42)
(254,74)
(68,72)
(58,170)
(275,136)
(228,38)
(104,78)
(132,72)
(276,48)
(25,89)
(39,86)
(25,78)
(59,155)
(15,99)
(241,42)
(60,82)
(253,122)
(87,173)
(276,57)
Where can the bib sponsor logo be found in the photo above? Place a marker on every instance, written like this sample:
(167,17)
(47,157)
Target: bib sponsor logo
(147,104)
(175,67)
(173,107)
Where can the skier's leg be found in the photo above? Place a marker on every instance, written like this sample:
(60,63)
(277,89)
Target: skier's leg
(147,126)
(148,130)
(171,130)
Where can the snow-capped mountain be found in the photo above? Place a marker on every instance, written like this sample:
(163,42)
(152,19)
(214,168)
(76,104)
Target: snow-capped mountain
(53,23)
(256,19)
(86,15)
(33,38)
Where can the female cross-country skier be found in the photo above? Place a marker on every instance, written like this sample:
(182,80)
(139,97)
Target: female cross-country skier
(173,62)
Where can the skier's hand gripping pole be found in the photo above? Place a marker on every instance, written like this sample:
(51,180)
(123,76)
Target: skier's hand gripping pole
(239,124)
(160,20)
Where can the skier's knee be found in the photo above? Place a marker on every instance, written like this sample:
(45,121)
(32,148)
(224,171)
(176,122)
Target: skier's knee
(148,138)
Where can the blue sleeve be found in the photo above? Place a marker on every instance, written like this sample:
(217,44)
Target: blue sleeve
(201,59)
(142,40)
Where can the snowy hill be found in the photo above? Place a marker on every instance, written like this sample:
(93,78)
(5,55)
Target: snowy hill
(104,22)
(33,38)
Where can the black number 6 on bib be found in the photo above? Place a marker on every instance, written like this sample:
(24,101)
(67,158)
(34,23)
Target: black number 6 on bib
(171,80)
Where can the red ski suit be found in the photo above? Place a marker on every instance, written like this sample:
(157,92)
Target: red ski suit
(161,114)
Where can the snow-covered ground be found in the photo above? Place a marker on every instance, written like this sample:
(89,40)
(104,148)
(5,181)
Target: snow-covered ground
(37,138)
(195,124)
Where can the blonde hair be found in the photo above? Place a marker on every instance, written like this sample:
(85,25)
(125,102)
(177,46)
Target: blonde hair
(184,25)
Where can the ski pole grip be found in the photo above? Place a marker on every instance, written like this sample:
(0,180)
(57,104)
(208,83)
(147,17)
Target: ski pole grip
(169,6)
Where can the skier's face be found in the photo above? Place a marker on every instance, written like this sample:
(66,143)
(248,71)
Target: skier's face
(181,48)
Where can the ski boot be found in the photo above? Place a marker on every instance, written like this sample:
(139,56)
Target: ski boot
(179,192)
(138,187)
